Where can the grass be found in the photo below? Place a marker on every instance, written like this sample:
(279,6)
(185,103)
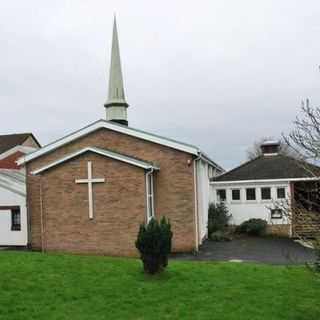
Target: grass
(40,286)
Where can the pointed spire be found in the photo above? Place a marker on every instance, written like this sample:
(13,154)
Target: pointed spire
(116,105)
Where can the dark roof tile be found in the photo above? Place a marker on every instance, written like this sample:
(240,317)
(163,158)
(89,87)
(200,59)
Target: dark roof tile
(270,167)
(9,141)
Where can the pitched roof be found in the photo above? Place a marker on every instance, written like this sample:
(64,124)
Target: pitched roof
(103,152)
(270,168)
(117,128)
(9,141)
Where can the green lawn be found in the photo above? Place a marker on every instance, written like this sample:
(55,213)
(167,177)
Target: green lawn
(39,286)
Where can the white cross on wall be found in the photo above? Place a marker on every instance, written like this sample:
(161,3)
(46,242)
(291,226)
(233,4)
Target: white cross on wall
(90,181)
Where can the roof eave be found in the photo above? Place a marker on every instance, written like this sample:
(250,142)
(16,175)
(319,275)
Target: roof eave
(264,180)
(109,154)
(111,126)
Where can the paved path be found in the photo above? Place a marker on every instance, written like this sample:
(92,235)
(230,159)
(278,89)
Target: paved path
(255,249)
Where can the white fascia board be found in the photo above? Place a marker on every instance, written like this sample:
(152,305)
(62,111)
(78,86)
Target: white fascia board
(102,152)
(205,158)
(15,149)
(264,181)
(114,127)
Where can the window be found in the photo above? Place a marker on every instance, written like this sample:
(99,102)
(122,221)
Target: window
(15,219)
(281,193)
(236,194)
(265,193)
(276,214)
(221,195)
(251,194)
(150,200)
(211,172)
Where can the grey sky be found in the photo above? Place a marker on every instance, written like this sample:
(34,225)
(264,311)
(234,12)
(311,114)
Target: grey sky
(218,74)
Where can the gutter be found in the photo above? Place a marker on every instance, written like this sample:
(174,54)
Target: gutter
(263,181)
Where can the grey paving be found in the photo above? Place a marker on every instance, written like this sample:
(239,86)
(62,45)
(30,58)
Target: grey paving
(253,249)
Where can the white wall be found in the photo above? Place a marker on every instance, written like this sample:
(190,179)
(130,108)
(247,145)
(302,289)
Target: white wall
(8,237)
(243,210)
(203,185)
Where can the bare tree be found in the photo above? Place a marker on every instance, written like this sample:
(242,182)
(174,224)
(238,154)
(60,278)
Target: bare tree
(305,137)
(255,150)
(304,211)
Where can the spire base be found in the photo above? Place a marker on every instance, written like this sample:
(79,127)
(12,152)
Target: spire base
(122,122)
(116,104)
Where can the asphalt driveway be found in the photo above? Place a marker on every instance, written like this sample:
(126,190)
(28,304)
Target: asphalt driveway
(255,249)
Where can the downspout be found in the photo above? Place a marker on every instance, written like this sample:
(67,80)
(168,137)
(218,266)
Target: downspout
(292,203)
(196,216)
(29,230)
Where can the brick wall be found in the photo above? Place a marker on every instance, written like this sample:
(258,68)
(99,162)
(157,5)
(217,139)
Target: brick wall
(174,190)
(119,206)
(10,161)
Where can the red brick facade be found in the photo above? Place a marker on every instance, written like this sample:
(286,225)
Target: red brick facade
(60,221)
(10,161)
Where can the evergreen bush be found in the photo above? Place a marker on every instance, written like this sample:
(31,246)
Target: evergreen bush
(154,244)
(218,217)
(254,227)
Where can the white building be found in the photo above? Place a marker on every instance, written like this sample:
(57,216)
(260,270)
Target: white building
(13,211)
(256,188)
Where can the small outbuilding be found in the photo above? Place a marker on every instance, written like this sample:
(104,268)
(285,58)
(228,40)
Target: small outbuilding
(260,187)
(13,211)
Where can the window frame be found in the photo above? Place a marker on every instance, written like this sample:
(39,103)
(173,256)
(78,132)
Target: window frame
(276,217)
(270,192)
(15,211)
(150,195)
(284,190)
(225,194)
(255,194)
(236,200)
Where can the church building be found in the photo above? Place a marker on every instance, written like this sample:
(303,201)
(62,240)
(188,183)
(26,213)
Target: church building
(89,191)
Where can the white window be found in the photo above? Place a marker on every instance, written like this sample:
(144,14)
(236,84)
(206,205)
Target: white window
(221,195)
(251,194)
(211,172)
(281,193)
(236,195)
(276,214)
(266,193)
(150,196)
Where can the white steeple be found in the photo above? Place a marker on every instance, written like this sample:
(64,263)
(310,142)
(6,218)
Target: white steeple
(116,106)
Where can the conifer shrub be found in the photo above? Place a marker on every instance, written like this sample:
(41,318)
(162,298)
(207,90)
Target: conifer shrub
(154,244)
(218,217)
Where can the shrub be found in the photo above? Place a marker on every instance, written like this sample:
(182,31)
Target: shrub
(154,244)
(220,236)
(218,217)
(317,250)
(254,227)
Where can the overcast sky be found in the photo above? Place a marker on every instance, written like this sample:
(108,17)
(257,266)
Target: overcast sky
(218,74)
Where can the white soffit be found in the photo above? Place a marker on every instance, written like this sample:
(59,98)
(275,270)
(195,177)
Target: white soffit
(114,127)
(103,152)
(263,181)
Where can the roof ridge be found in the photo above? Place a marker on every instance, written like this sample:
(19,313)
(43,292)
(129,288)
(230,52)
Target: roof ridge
(238,167)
